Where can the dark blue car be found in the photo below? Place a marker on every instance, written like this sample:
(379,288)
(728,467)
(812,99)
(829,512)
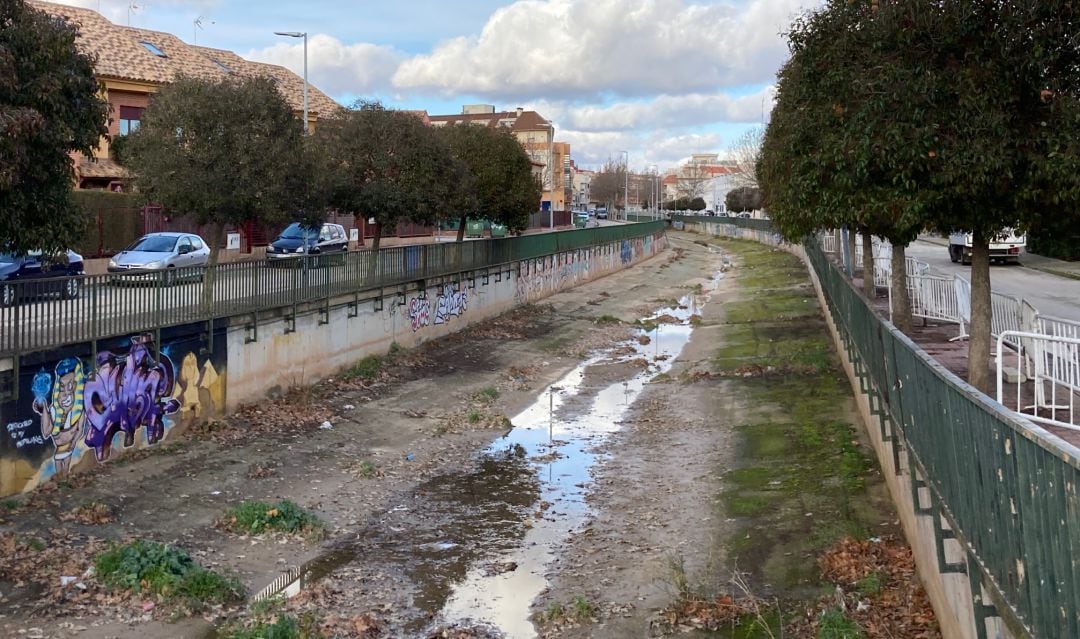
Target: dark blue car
(33,275)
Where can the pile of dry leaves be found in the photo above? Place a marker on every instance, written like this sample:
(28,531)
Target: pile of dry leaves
(718,613)
(878,589)
(45,571)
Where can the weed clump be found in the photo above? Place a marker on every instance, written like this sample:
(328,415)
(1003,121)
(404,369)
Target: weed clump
(256,517)
(367,368)
(148,567)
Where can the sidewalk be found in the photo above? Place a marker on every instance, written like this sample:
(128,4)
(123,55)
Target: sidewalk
(1061,268)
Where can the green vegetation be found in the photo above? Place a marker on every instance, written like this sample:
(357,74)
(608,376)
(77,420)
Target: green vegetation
(474,416)
(608,319)
(582,608)
(835,625)
(366,469)
(148,567)
(280,626)
(255,517)
(367,368)
(869,585)
(487,395)
(801,483)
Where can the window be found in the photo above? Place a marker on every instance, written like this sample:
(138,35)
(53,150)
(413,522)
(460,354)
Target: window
(221,66)
(129,119)
(196,243)
(184,246)
(152,48)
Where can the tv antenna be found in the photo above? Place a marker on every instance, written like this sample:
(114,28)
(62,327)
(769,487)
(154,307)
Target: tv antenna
(197,25)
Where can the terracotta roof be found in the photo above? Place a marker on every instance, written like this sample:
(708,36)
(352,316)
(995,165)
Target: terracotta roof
(100,168)
(527,121)
(121,54)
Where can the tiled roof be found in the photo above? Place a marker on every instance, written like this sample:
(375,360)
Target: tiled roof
(100,168)
(527,121)
(121,55)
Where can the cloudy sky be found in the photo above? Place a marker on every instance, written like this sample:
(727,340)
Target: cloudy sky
(660,79)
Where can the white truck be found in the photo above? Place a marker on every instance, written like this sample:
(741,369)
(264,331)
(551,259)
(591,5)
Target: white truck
(1004,247)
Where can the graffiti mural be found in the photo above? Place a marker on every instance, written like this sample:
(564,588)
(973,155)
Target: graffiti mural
(545,276)
(58,401)
(419,312)
(129,392)
(85,406)
(453,301)
(626,253)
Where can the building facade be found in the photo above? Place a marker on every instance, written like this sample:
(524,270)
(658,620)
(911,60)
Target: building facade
(537,137)
(133,64)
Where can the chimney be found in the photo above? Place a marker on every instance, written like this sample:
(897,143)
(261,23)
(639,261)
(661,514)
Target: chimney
(519,110)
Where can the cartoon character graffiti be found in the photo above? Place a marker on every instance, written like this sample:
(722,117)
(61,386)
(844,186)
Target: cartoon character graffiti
(58,400)
(129,392)
(452,302)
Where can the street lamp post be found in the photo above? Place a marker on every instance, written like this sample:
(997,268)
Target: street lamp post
(298,34)
(626,185)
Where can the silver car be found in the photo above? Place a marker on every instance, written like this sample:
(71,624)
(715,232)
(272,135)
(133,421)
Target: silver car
(163,252)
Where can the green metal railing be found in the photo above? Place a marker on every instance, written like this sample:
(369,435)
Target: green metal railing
(1006,488)
(51,312)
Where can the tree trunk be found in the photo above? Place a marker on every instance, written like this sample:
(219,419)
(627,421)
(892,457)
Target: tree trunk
(373,261)
(461,228)
(838,246)
(979,342)
(901,303)
(217,236)
(851,250)
(868,265)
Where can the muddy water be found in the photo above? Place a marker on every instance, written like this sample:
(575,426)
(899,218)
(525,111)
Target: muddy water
(476,544)
(556,434)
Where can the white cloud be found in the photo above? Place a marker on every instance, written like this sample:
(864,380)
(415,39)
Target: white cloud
(661,147)
(333,66)
(583,49)
(665,111)
(117,11)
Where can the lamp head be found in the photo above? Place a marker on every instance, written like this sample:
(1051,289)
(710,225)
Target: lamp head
(290,34)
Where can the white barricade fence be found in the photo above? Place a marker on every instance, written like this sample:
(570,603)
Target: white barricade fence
(933,297)
(1006,316)
(962,289)
(828,242)
(1055,363)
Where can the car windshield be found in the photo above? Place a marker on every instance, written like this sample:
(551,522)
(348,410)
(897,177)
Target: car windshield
(297,232)
(154,244)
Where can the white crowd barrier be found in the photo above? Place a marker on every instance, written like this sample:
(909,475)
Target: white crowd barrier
(1046,349)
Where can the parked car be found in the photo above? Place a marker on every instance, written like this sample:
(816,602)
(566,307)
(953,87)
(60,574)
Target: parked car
(163,252)
(298,240)
(33,274)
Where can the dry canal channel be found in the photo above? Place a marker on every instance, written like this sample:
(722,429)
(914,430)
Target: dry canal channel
(614,462)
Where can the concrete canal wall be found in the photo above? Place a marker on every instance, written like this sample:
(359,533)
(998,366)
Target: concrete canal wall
(87,404)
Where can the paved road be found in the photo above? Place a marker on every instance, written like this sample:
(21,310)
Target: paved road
(1051,294)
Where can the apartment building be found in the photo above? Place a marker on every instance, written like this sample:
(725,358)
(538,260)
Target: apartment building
(537,137)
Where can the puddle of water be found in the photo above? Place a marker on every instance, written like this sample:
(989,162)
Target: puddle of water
(487,537)
(560,447)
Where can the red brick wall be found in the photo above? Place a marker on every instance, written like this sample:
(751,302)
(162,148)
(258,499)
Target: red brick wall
(118,99)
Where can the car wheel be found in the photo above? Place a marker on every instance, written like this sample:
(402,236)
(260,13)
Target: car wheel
(7,295)
(71,288)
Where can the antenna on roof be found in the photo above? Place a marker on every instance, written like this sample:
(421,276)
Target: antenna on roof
(131,7)
(198,25)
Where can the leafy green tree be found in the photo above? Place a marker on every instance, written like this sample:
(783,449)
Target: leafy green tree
(499,185)
(949,115)
(225,153)
(50,107)
(387,165)
(744,198)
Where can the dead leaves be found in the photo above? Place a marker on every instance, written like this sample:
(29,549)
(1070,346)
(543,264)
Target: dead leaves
(878,589)
(91,514)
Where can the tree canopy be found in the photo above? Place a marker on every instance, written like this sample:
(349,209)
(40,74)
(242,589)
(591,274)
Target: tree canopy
(497,183)
(49,107)
(744,198)
(949,115)
(609,184)
(386,165)
(223,152)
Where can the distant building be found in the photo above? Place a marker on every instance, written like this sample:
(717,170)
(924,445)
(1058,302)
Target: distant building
(537,137)
(133,64)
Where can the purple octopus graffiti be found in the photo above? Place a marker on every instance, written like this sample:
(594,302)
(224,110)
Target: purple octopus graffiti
(129,392)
